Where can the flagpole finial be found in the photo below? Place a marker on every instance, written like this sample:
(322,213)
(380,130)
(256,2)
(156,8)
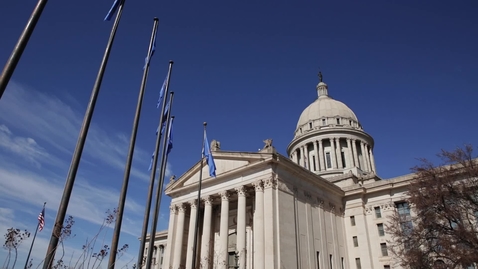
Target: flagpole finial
(171,61)
(156,19)
(205,124)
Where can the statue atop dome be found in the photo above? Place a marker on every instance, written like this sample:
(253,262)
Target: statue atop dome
(321,78)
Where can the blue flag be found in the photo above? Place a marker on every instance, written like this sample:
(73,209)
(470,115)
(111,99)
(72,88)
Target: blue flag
(165,116)
(147,60)
(170,137)
(112,11)
(151,163)
(206,151)
(161,92)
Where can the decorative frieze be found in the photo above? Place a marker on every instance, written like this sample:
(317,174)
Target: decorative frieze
(181,207)
(225,195)
(307,195)
(331,208)
(258,186)
(270,182)
(241,191)
(173,209)
(193,203)
(207,200)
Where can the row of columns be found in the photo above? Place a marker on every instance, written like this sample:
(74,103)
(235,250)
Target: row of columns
(300,155)
(262,217)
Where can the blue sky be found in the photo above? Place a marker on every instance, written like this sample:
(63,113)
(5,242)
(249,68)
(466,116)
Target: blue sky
(407,68)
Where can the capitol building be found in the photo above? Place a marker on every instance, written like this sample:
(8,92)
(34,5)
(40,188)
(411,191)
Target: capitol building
(321,206)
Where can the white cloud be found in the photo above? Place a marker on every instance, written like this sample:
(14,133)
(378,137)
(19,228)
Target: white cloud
(25,147)
(42,129)
(57,124)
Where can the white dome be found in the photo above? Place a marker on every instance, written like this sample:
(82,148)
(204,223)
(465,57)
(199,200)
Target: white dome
(325,111)
(326,107)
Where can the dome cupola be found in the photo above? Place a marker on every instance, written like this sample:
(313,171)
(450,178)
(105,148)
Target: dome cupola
(329,138)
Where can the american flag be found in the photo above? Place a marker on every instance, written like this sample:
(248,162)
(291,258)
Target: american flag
(41,220)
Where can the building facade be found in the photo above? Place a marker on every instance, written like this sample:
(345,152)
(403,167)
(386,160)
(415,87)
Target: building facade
(322,206)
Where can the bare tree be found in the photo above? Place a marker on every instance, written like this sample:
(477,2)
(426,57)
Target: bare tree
(13,239)
(442,229)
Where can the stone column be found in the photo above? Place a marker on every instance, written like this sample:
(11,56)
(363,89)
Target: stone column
(157,258)
(223,230)
(339,152)
(259,226)
(316,161)
(305,157)
(171,232)
(350,154)
(354,147)
(332,154)
(365,167)
(367,157)
(241,226)
(178,242)
(372,160)
(269,222)
(321,156)
(205,258)
(192,222)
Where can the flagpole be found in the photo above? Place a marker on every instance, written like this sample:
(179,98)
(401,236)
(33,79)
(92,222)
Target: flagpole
(129,159)
(196,224)
(153,175)
(20,46)
(34,236)
(159,191)
(70,180)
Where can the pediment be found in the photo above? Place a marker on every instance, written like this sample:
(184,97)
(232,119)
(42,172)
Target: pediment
(225,162)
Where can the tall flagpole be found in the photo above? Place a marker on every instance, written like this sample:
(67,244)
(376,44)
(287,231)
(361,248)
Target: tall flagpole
(159,191)
(129,159)
(34,236)
(70,180)
(147,209)
(196,224)
(20,46)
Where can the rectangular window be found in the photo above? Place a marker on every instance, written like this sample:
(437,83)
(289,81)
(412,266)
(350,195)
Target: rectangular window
(355,239)
(378,213)
(313,160)
(232,261)
(403,209)
(324,122)
(327,158)
(350,122)
(318,260)
(381,231)
(330,261)
(405,219)
(357,263)
(386,267)
(310,125)
(352,220)
(342,155)
(343,263)
(338,121)
(383,247)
